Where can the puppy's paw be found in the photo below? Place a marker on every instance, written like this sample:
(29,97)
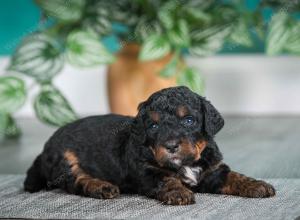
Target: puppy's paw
(102,190)
(241,185)
(259,189)
(180,196)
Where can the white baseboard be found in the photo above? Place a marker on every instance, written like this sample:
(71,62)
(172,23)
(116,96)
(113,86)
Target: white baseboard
(252,84)
(236,84)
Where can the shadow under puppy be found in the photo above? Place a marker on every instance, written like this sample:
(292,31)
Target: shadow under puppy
(166,152)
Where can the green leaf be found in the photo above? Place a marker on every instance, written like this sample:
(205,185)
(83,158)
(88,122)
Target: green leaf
(97,18)
(84,49)
(12,94)
(155,47)
(166,19)
(99,25)
(179,36)
(165,14)
(278,34)
(171,68)
(240,34)
(63,10)
(38,56)
(3,124)
(293,42)
(208,41)
(8,127)
(198,14)
(145,28)
(12,130)
(259,25)
(51,107)
(192,79)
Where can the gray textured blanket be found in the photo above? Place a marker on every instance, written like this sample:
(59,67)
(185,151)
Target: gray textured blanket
(15,203)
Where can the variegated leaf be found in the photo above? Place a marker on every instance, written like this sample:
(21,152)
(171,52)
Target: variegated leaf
(198,14)
(240,34)
(84,49)
(12,130)
(12,94)
(97,18)
(3,124)
(179,36)
(171,68)
(38,56)
(293,42)
(208,41)
(64,10)
(8,127)
(278,33)
(144,29)
(155,47)
(192,79)
(51,107)
(165,14)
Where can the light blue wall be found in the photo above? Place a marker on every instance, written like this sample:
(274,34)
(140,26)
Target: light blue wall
(20,17)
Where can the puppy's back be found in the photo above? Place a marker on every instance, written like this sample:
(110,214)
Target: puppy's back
(89,138)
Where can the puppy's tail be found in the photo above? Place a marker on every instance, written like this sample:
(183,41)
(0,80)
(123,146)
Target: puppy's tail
(34,180)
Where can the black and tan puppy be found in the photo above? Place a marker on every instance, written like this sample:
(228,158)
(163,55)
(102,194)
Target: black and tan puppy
(166,152)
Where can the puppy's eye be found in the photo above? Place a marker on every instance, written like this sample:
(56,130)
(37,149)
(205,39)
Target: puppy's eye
(154,126)
(188,120)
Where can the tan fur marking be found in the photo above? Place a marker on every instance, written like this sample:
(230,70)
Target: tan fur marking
(240,185)
(188,149)
(73,162)
(200,146)
(155,116)
(159,154)
(182,111)
(91,186)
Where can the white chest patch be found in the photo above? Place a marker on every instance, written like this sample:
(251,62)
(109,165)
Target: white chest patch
(190,175)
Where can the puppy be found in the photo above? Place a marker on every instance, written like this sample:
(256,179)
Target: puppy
(167,152)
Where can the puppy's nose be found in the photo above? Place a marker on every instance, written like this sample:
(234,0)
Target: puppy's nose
(172,145)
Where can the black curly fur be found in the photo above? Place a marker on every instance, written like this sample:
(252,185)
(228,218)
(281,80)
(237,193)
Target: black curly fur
(100,155)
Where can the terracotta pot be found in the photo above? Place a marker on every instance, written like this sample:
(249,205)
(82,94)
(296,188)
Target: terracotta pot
(131,81)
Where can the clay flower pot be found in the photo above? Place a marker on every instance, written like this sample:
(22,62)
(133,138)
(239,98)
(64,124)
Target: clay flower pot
(131,81)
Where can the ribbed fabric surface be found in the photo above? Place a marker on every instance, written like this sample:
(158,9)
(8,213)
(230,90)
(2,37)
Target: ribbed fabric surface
(15,203)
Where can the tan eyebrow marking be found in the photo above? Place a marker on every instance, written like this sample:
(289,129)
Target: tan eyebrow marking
(182,111)
(155,116)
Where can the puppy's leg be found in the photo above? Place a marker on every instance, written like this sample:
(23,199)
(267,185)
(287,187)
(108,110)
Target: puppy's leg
(224,181)
(173,192)
(166,188)
(240,185)
(89,186)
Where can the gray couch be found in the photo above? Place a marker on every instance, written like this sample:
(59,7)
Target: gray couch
(15,203)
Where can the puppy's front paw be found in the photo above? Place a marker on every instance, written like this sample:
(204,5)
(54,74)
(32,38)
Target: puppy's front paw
(258,189)
(180,196)
(101,189)
(240,185)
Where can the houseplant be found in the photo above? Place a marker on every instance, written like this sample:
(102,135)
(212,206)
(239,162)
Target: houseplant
(158,31)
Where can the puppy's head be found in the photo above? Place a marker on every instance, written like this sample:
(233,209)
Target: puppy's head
(175,124)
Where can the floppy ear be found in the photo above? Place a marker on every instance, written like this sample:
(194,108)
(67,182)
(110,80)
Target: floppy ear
(138,133)
(213,121)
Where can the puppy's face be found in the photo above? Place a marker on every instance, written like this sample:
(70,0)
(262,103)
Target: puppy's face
(175,137)
(175,122)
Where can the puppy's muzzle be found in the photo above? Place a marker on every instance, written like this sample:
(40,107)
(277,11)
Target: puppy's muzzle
(172,146)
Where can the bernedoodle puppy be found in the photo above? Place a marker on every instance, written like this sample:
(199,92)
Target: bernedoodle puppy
(167,152)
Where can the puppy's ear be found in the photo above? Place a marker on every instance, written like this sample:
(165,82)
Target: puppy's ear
(138,133)
(213,121)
